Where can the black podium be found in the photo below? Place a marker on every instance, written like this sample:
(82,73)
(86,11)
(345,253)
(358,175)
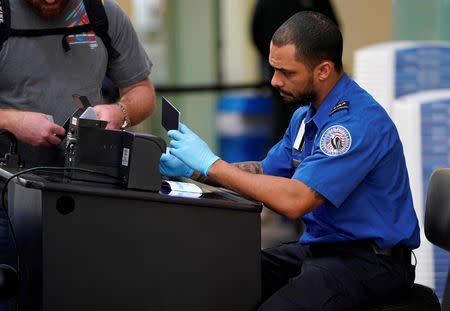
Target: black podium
(90,246)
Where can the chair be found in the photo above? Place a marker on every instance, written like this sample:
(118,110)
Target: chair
(437,219)
(8,282)
(418,298)
(437,231)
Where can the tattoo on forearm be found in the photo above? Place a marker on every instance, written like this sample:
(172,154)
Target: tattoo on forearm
(317,195)
(201,178)
(251,167)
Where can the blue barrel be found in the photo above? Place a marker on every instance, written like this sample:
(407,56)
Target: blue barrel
(244,126)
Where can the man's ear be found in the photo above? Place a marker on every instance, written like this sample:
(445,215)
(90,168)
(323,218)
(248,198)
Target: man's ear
(323,70)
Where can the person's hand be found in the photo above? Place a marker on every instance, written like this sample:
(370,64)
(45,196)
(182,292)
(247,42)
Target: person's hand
(34,128)
(110,113)
(171,166)
(191,149)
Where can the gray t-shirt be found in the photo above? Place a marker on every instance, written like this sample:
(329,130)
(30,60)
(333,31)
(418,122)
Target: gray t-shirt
(36,74)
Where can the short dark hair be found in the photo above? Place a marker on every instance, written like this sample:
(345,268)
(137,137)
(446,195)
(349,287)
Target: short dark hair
(316,38)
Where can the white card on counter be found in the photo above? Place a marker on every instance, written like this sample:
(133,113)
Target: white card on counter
(183,189)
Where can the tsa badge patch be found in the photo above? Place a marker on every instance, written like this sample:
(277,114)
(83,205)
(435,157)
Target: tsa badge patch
(336,140)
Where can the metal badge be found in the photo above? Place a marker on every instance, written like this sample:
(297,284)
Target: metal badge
(340,106)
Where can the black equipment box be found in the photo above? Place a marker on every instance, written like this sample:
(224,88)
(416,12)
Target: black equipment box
(121,157)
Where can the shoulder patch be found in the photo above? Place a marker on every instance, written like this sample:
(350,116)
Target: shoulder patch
(340,106)
(335,140)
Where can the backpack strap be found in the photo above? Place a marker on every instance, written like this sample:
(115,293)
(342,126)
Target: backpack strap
(65,31)
(50,32)
(99,21)
(5,21)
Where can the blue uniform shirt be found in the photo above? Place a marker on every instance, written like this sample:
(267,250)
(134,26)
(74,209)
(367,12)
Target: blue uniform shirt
(350,152)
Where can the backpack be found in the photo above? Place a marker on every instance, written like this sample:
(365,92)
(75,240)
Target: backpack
(98,23)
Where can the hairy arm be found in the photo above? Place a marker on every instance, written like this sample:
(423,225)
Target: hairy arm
(32,128)
(139,101)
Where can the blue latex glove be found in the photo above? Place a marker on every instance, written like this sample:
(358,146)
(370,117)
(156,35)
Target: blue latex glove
(171,166)
(191,149)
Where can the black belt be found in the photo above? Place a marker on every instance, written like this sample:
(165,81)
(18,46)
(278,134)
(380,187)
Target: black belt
(398,251)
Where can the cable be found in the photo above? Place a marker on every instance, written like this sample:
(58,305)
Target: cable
(12,138)
(415,258)
(38,168)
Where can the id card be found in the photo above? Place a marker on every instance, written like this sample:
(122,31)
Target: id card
(170,118)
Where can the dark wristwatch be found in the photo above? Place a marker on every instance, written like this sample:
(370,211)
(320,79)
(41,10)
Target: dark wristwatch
(126,119)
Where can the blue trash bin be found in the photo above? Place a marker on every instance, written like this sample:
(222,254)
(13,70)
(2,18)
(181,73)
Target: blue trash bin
(244,126)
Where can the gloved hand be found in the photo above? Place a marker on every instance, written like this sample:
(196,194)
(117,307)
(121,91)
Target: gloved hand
(171,166)
(191,149)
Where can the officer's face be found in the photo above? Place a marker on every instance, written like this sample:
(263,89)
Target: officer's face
(293,79)
(48,8)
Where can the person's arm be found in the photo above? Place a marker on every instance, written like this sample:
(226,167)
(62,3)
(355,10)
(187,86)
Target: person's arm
(32,128)
(139,100)
(288,197)
(253,167)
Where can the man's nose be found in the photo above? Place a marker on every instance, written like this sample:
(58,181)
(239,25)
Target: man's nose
(276,81)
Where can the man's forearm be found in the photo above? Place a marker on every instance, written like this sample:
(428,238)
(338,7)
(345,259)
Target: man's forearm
(32,128)
(286,196)
(253,167)
(7,118)
(139,101)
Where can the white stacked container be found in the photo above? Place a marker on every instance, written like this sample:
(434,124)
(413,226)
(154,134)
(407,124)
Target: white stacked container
(423,122)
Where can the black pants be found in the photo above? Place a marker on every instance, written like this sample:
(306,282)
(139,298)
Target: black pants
(337,276)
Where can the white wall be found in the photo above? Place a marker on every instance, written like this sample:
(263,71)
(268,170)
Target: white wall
(240,60)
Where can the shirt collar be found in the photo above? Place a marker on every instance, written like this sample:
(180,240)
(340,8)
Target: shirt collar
(334,97)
